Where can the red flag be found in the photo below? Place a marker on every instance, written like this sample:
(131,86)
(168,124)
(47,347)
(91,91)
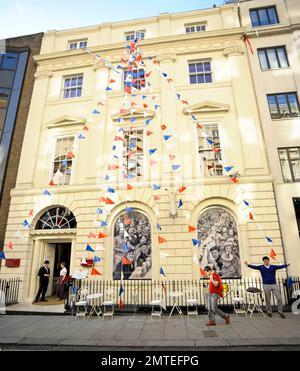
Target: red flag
(129,187)
(111,81)
(192,229)
(161,240)
(149,133)
(94,272)
(10,245)
(251,216)
(163,127)
(51,184)
(85,128)
(133,104)
(31,213)
(202,272)
(123,60)
(185,102)
(108,201)
(234,180)
(119,139)
(145,105)
(121,304)
(70,155)
(113,167)
(148,74)
(157,198)
(92,235)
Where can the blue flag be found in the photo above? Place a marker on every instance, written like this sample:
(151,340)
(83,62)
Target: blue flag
(2,255)
(89,248)
(159,227)
(103,223)
(99,211)
(167,137)
(97,260)
(152,151)
(180,204)
(269,239)
(155,187)
(121,291)
(196,242)
(81,136)
(228,168)
(162,272)
(176,167)
(46,193)
(129,210)
(95,112)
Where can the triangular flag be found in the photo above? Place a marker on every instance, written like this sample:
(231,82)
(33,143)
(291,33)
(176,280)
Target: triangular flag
(102,235)
(192,229)
(108,201)
(157,198)
(51,184)
(162,272)
(269,239)
(152,151)
(251,216)
(180,204)
(202,272)
(161,240)
(196,242)
(126,261)
(2,256)
(167,137)
(163,127)
(129,187)
(228,168)
(89,248)
(156,187)
(273,254)
(172,157)
(121,304)
(149,133)
(10,245)
(176,167)
(182,189)
(111,190)
(246,203)
(83,261)
(47,193)
(92,235)
(121,292)
(94,272)
(159,227)
(97,260)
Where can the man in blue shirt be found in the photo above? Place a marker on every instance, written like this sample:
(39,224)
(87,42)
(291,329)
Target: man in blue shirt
(268,273)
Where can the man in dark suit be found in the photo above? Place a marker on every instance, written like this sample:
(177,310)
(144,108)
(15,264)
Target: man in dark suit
(44,274)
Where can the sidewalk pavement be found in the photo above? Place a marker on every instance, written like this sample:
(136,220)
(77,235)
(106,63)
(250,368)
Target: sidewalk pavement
(142,332)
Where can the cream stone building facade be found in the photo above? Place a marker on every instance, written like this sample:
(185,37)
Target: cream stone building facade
(276,74)
(202,46)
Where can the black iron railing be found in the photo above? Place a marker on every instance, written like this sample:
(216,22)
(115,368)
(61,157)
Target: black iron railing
(10,289)
(141,293)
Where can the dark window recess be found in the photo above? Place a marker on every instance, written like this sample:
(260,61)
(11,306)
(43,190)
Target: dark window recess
(9,61)
(290,164)
(297,211)
(285,105)
(264,16)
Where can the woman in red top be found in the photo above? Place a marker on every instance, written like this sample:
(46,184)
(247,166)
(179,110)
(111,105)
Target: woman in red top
(215,291)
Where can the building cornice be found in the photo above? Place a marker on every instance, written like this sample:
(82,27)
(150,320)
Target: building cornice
(272,30)
(202,41)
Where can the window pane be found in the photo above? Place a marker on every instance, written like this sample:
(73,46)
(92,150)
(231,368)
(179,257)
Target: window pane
(283,105)
(263,59)
(293,101)
(207,66)
(273,106)
(73,93)
(208,78)
(284,162)
(272,16)
(193,79)
(200,79)
(282,57)
(4,95)
(9,61)
(79,81)
(187,30)
(67,94)
(74,81)
(295,162)
(79,91)
(192,68)
(272,58)
(254,18)
(200,67)
(67,83)
(263,17)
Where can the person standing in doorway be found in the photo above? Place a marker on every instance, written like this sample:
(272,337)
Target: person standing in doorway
(268,273)
(60,290)
(44,274)
(215,291)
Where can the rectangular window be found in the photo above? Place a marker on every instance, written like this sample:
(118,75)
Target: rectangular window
(193,28)
(62,163)
(133,153)
(9,61)
(77,44)
(130,36)
(283,105)
(200,72)
(290,164)
(135,78)
(296,202)
(72,86)
(264,16)
(273,58)
(210,154)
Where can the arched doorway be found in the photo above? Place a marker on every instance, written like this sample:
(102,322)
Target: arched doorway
(132,247)
(218,233)
(53,236)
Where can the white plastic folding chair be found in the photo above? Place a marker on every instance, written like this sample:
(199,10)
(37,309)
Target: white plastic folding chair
(109,303)
(192,301)
(253,295)
(82,304)
(157,302)
(238,299)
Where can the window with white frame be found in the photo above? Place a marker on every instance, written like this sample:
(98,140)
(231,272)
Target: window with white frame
(72,86)
(62,162)
(290,164)
(200,72)
(135,78)
(209,148)
(133,153)
(131,36)
(77,44)
(197,27)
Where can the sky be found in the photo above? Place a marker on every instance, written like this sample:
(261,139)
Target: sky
(23,17)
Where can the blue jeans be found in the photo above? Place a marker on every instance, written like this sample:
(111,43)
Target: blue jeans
(212,305)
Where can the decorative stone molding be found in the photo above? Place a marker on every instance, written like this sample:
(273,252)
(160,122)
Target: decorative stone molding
(66,121)
(207,107)
(43,73)
(53,232)
(233,48)
(167,57)
(138,113)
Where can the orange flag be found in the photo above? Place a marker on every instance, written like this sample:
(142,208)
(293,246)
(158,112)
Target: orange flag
(94,272)
(126,261)
(273,254)
(234,180)
(128,221)
(70,155)
(85,128)
(172,157)
(149,133)
(182,189)
(145,105)
(251,216)
(202,272)
(51,184)
(10,245)
(129,187)
(157,198)
(102,235)
(192,229)
(161,240)
(108,201)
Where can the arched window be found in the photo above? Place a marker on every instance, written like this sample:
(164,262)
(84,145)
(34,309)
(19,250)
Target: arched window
(57,218)
(132,252)
(217,231)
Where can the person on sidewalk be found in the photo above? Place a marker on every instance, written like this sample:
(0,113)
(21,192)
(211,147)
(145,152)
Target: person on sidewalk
(60,290)
(44,274)
(268,273)
(215,291)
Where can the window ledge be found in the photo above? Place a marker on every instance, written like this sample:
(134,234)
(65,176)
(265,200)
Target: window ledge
(277,69)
